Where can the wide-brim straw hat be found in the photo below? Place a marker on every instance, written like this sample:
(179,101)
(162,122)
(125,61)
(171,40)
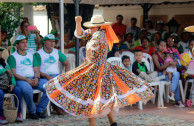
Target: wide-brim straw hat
(96,20)
(190,28)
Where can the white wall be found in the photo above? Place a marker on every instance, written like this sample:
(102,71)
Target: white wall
(110,13)
(41,22)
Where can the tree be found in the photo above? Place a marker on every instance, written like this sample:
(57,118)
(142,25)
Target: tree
(9,17)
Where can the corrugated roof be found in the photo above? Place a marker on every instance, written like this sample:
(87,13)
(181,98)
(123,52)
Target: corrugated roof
(100,2)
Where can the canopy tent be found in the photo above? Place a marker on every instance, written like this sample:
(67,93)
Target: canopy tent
(100,2)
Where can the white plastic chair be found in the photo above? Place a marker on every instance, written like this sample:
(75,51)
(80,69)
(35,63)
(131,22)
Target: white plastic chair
(24,106)
(191,81)
(115,61)
(151,64)
(71,59)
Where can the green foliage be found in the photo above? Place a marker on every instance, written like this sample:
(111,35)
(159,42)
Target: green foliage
(9,17)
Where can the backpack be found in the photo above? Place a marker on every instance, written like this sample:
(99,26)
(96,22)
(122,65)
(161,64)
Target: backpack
(5,81)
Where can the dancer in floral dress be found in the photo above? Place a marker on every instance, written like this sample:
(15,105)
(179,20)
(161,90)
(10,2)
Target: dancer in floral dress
(96,87)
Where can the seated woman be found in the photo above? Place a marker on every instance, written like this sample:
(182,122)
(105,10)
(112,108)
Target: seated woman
(4,67)
(158,59)
(170,48)
(170,45)
(129,40)
(145,48)
(191,49)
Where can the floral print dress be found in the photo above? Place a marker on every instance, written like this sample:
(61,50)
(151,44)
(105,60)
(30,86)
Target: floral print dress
(96,87)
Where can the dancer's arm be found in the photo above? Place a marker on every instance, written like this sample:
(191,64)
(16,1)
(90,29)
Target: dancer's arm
(79,31)
(78,20)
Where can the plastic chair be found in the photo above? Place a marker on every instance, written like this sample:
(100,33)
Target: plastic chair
(24,106)
(168,91)
(191,81)
(149,57)
(115,61)
(71,59)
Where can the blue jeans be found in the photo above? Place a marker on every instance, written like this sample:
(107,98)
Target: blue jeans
(175,84)
(45,80)
(17,92)
(27,91)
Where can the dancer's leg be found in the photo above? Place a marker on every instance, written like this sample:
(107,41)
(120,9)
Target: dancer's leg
(92,122)
(110,117)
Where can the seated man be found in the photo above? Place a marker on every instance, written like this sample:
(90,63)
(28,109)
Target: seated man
(139,68)
(26,71)
(48,60)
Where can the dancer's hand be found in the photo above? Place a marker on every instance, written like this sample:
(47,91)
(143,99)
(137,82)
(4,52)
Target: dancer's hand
(78,19)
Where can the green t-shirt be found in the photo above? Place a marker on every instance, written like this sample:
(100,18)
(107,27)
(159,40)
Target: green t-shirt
(2,70)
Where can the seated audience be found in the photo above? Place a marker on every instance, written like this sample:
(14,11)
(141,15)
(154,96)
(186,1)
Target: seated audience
(48,59)
(139,68)
(119,27)
(183,44)
(191,49)
(33,39)
(160,28)
(170,69)
(129,40)
(118,48)
(149,28)
(145,47)
(142,35)
(4,72)
(126,62)
(175,39)
(133,28)
(25,68)
(4,42)
(156,38)
(170,48)
(158,59)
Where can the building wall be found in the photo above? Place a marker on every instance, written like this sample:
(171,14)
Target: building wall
(128,12)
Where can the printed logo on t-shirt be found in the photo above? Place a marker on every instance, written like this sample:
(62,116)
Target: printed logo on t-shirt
(26,61)
(51,59)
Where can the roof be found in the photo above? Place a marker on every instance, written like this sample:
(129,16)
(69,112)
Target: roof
(101,2)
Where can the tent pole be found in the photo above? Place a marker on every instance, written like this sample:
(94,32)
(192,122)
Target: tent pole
(61,11)
(146,7)
(61,15)
(76,3)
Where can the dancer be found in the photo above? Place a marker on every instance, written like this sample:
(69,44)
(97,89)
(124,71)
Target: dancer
(96,87)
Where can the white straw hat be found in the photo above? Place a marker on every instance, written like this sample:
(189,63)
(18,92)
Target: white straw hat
(190,28)
(96,20)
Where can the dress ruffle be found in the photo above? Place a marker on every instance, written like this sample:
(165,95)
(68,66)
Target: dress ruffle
(96,88)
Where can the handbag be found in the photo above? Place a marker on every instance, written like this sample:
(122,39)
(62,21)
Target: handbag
(5,81)
(10,111)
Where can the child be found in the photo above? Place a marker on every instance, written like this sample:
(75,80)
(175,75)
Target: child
(171,68)
(139,68)
(126,62)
